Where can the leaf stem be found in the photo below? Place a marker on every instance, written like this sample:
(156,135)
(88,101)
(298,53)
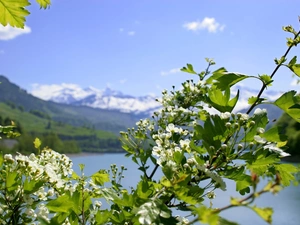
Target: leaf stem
(272,75)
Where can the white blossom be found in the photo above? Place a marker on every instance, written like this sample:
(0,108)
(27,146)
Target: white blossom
(273,148)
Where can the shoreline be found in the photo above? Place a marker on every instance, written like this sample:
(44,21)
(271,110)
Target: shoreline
(83,154)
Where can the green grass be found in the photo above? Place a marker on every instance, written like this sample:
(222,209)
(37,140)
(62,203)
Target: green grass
(32,123)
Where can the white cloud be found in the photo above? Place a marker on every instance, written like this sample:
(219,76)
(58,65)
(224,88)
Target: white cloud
(8,32)
(295,82)
(48,91)
(207,23)
(1,52)
(131,33)
(171,71)
(121,30)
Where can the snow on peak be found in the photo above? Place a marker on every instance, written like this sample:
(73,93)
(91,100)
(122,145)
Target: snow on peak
(96,98)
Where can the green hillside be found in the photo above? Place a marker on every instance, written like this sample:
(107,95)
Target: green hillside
(291,128)
(62,127)
(101,119)
(32,125)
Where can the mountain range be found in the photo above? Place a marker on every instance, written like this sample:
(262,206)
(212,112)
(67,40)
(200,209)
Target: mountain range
(75,115)
(72,94)
(106,109)
(103,99)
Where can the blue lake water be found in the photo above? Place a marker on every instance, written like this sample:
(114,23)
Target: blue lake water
(286,204)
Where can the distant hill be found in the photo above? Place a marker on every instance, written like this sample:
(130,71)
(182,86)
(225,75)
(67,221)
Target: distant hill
(93,129)
(76,115)
(103,120)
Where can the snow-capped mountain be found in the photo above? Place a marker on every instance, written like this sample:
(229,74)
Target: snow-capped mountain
(116,100)
(93,97)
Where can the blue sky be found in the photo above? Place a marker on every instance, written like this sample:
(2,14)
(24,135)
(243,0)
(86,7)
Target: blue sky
(137,46)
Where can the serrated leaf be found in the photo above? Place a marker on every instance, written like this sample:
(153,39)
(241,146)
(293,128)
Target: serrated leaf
(188,69)
(252,100)
(32,186)
(243,185)
(286,172)
(100,177)
(266,79)
(61,204)
(44,3)
(260,120)
(262,163)
(206,215)
(102,217)
(12,181)
(143,190)
(286,103)
(221,100)
(275,135)
(264,213)
(151,211)
(13,12)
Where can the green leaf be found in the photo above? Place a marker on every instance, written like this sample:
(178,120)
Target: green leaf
(212,133)
(286,173)
(243,184)
(13,12)
(296,69)
(275,135)
(32,186)
(12,181)
(206,215)
(227,79)
(252,100)
(144,190)
(75,176)
(44,3)
(261,164)
(61,204)
(223,221)
(293,61)
(188,69)
(264,213)
(266,79)
(260,120)
(37,143)
(100,177)
(102,217)
(286,103)
(151,211)
(221,101)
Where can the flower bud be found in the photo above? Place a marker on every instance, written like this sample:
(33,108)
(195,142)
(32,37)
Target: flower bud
(252,123)
(240,146)
(223,146)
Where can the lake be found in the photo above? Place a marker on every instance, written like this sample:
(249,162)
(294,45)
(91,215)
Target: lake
(286,204)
